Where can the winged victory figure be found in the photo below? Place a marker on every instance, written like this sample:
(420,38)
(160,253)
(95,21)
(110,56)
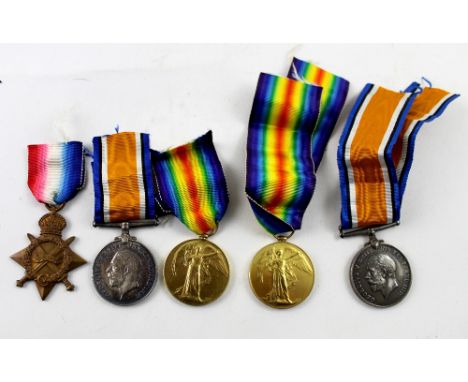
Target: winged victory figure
(199,261)
(283,264)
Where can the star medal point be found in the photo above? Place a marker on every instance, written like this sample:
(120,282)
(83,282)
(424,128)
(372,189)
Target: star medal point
(55,174)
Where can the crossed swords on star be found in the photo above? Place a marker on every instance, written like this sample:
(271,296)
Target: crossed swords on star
(42,264)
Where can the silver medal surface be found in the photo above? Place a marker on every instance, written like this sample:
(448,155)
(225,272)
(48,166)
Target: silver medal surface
(380,275)
(124,271)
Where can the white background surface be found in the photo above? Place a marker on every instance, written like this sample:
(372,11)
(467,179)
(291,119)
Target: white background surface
(176,93)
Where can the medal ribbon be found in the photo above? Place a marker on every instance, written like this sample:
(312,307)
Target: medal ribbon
(56,172)
(284,128)
(191,184)
(122,174)
(376,150)
(334,92)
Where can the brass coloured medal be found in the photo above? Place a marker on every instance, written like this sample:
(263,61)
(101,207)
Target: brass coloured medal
(196,272)
(48,258)
(281,275)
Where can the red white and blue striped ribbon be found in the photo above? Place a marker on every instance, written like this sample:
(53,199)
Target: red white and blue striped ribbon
(56,172)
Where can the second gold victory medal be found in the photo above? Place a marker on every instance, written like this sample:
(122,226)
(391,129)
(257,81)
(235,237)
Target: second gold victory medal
(290,124)
(191,186)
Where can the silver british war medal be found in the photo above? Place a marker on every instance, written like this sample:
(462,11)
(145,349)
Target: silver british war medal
(374,159)
(124,271)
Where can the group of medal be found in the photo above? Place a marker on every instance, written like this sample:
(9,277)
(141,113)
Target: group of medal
(290,124)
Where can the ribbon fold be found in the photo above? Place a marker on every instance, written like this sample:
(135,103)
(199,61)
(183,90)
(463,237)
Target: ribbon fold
(191,184)
(376,150)
(290,124)
(56,172)
(123,181)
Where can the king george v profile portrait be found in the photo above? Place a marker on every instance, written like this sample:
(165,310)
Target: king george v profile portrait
(381,274)
(122,273)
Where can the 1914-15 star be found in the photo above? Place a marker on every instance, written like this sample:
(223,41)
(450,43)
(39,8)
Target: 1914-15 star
(48,259)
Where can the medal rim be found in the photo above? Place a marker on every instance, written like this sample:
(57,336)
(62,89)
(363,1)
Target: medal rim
(173,251)
(281,306)
(353,262)
(154,267)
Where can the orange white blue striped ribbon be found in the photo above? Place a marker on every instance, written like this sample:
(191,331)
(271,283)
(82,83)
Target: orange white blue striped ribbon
(123,184)
(376,150)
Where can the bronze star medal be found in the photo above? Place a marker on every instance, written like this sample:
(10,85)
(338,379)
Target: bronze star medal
(48,258)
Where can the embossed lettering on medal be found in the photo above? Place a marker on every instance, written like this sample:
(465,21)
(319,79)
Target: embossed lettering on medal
(380,274)
(374,159)
(124,271)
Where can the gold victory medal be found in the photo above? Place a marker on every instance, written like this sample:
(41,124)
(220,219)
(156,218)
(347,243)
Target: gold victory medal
(281,275)
(196,272)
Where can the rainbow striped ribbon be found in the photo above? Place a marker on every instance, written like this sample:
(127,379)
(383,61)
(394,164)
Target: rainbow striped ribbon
(376,150)
(122,174)
(280,170)
(291,122)
(56,172)
(334,92)
(192,185)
